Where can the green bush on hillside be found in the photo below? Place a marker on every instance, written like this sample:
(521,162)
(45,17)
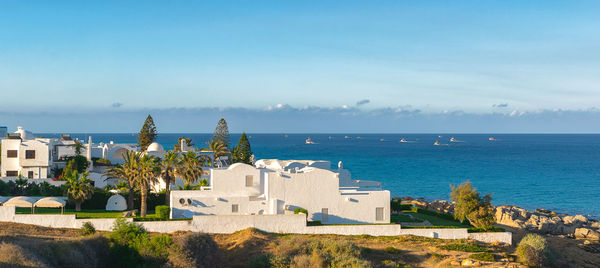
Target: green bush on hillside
(533,250)
(87,228)
(483,256)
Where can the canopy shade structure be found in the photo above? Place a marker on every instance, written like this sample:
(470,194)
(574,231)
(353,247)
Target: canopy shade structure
(4,199)
(21,201)
(51,202)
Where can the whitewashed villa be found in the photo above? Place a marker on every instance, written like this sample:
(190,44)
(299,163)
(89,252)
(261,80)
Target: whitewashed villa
(276,187)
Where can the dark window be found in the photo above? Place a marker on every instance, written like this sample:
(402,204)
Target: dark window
(12,173)
(11,153)
(235,208)
(30,154)
(30,174)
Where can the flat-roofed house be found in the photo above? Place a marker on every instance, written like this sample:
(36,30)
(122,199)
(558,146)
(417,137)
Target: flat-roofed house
(274,187)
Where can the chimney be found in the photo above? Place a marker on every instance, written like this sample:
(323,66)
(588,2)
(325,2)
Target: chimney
(89,153)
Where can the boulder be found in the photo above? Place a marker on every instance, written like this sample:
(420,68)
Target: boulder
(578,220)
(512,216)
(469,262)
(595,224)
(586,233)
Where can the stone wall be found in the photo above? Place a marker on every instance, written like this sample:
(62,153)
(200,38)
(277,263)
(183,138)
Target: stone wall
(293,223)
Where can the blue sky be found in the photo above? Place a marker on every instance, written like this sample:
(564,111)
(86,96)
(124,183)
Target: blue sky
(406,64)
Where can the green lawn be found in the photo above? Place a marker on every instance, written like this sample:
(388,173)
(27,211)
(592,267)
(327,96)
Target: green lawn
(436,221)
(83,214)
(403,218)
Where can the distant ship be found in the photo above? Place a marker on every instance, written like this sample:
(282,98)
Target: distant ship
(436,143)
(491,139)
(403,140)
(381,139)
(330,137)
(309,141)
(452,139)
(346,137)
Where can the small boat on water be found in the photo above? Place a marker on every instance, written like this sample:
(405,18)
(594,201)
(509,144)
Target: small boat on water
(285,136)
(452,139)
(491,139)
(309,141)
(346,137)
(436,143)
(330,137)
(381,139)
(403,140)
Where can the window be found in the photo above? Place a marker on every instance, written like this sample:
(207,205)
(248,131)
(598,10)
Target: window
(324,215)
(11,153)
(249,181)
(378,214)
(30,174)
(12,173)
(235,208)
(30,154)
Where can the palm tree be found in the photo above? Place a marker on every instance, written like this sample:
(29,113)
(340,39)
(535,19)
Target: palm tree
(190,169)
(148,172)
(169,165)
(79,188)
(127,172)
(78,147)
(218,148)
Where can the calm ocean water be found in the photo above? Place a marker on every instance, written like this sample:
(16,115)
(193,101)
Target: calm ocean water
(556,172)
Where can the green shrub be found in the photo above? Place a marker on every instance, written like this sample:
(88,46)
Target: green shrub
(313,223)
(483,256)
(260,261)
(195,250)
(396,205)
(533,250)
(300,210)
(392,250)
(463,247)
(126,234)
(163,212)
(87,228)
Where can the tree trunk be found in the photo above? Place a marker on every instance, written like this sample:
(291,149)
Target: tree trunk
(143,201)
(168,191)
(77,206)
(130,199)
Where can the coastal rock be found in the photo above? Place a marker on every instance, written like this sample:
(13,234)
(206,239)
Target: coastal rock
(512,216)
(469,262)
(575,220)
(587,233)
(595,224)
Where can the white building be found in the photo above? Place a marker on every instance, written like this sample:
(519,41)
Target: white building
(34,158)
(278,187)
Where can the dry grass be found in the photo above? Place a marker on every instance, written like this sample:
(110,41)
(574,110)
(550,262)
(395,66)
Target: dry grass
(33,246)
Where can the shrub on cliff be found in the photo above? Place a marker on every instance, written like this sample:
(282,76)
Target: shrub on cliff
(470,205)
(194,250)
(533,251)
(311,252)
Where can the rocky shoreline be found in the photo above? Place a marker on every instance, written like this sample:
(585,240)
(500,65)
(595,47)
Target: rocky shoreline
(539,221)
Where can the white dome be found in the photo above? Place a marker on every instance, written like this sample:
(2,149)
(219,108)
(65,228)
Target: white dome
(25,135)
(116,203)
(155,147)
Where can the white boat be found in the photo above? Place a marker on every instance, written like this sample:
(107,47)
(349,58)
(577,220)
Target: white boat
(309,141)
(436,143)
(381,139)
(346,137)
(403,140)
(491,139)
(452,139)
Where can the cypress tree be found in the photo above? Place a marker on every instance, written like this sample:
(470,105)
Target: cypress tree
(147,134)
(242,152)
(222,133)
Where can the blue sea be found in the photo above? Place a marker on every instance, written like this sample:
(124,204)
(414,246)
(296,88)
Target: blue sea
(554,171)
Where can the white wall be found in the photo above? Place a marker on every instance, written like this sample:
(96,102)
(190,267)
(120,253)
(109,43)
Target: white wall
(294,223)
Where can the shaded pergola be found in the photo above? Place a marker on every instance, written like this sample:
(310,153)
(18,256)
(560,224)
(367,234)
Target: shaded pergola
(21,201)
(51,202)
